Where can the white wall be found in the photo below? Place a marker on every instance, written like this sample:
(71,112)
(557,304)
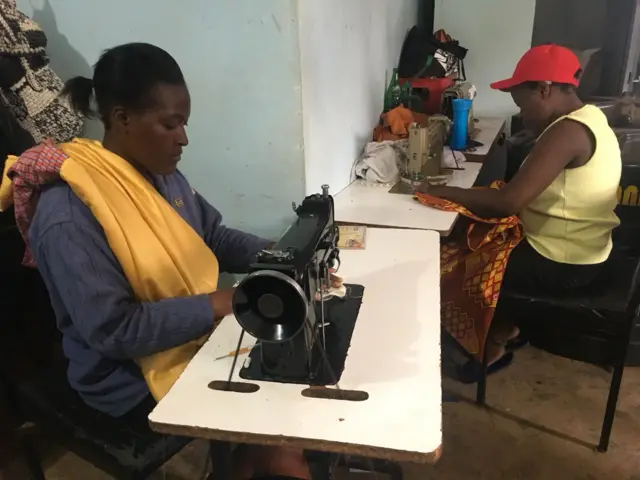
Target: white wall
(241,61)
(348,49)
(285,93)
(497,33)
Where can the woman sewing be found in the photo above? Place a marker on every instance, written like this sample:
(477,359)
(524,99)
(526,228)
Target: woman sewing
(564,194)
(129,252)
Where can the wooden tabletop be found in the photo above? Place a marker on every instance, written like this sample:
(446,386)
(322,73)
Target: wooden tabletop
(394,357)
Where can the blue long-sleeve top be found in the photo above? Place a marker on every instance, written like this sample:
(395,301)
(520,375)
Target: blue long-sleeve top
(104,327)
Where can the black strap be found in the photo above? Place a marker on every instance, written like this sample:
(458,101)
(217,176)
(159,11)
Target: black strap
(462,73)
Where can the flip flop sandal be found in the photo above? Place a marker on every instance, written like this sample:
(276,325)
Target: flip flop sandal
(516,344)
(471,371)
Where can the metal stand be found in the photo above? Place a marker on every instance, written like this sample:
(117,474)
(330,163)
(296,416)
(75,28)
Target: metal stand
(221,460)
(481,390)
(614,389)
(621,349)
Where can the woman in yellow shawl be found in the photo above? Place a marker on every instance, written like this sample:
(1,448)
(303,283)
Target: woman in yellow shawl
(129,252)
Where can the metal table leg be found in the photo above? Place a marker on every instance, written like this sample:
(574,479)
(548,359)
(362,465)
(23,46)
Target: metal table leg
(221,460)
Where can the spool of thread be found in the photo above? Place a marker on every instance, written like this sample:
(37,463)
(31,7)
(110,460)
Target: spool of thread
(460,130)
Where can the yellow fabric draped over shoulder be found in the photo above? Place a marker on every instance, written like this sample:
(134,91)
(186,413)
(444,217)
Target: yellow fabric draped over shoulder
(6,187)
(161,255)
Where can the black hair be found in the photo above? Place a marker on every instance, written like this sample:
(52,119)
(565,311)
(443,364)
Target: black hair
(125,75)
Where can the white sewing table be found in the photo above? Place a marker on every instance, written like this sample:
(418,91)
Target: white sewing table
(394,356)
(360,204)
(375,206)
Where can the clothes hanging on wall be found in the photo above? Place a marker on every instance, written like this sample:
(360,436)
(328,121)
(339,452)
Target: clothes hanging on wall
(29,88)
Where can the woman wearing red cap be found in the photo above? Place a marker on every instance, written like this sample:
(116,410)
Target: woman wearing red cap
(565,191)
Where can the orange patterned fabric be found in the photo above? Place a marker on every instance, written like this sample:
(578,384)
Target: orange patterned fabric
(472,269)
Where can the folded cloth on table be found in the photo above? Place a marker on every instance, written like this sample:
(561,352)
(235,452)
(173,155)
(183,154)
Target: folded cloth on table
(380,161)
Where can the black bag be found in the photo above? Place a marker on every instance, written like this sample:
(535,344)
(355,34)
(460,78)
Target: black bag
(426,55)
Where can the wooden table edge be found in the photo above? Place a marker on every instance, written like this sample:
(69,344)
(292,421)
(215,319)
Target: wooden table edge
(380,453)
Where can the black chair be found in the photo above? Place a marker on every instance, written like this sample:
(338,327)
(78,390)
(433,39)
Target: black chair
(39,392)
(596,325)
(593,326)
(127,451)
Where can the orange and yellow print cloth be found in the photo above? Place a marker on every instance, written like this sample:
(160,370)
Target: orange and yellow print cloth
(472,268)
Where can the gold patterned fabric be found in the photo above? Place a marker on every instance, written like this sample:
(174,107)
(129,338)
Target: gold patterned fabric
(472,270)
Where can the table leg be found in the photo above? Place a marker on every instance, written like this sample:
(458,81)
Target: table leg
(393,470)
(221,460)
(321,464)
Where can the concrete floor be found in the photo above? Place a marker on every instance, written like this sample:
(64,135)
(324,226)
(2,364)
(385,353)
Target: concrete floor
(543,423)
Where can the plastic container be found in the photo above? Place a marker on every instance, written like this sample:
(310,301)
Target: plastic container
(460,131)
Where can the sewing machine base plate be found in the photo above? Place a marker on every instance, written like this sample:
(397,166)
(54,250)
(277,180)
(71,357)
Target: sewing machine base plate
(403,188)
(291,358)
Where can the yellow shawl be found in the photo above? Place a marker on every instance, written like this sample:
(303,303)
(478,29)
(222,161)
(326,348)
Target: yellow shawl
(161,255)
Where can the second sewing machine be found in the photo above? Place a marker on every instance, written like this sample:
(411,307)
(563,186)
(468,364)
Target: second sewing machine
(454,126)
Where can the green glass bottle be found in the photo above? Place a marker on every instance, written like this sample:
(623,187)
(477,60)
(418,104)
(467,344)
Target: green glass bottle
(393,94)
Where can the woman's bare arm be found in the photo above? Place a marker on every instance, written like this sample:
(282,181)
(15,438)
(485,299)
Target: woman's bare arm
(562,144)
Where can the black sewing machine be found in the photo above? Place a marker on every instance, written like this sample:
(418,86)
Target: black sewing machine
(302,336)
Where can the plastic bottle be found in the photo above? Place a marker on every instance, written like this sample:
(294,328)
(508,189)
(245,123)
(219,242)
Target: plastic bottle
(460,131)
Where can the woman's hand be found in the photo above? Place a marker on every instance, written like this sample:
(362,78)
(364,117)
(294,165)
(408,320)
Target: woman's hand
(439,191)
(434,190)
(424,187)
(334,280)
(222,302)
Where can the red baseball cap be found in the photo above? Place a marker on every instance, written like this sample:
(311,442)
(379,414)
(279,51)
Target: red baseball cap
(546,63)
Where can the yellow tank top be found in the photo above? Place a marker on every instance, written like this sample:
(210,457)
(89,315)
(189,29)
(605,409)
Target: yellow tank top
(572,220)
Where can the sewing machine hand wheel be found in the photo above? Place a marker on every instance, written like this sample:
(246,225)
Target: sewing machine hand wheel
(270,306)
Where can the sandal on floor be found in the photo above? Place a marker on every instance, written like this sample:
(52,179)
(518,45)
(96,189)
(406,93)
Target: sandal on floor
(471,371)
(516,344)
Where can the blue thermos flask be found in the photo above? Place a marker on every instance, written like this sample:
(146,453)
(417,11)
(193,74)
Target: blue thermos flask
(460,131)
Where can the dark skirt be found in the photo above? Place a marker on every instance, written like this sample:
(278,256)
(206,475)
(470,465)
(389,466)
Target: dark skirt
(529,273)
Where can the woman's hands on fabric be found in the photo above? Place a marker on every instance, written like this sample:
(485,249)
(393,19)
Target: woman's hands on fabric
(334,280)
(222,302)
(439,191)
(424,187)
(433,190)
